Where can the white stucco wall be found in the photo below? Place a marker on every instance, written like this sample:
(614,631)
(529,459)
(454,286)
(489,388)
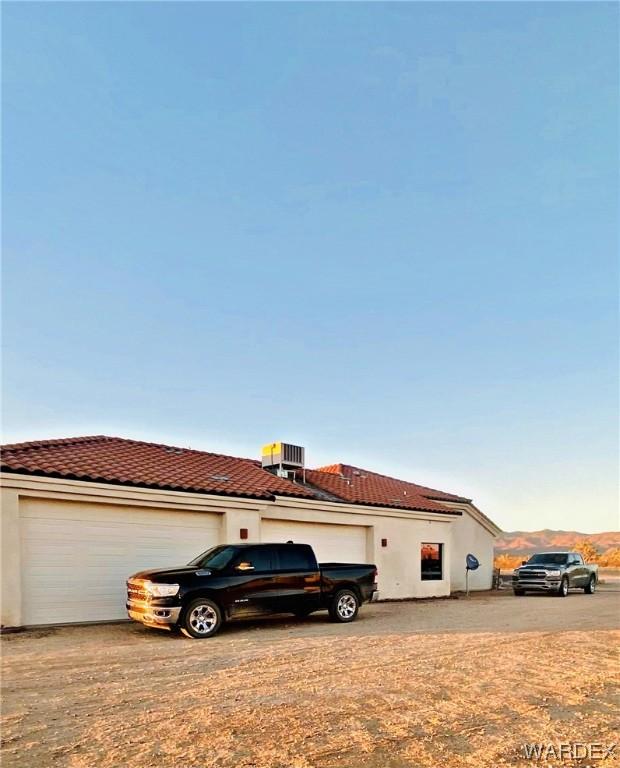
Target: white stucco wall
(470,536)
(20,493)
(10,581)
(399,562)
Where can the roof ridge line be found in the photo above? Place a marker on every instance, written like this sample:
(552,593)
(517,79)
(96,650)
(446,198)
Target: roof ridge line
(53,442)
(455,497)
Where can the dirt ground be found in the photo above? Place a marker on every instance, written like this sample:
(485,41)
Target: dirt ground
(430,684)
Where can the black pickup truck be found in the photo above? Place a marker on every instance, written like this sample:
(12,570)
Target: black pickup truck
(235,581)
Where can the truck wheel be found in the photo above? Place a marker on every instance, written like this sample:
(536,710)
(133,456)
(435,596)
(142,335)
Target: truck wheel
(519,592)
(201,618)
(344,607)
(563,590)
(590,589)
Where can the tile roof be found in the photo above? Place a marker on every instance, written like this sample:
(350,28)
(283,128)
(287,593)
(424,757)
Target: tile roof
(132,462)
(361,486)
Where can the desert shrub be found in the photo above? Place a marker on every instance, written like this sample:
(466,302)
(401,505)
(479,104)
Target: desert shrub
(589,552)
(611,558)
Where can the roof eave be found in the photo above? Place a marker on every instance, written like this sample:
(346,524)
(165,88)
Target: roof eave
(383,505)
(267,496)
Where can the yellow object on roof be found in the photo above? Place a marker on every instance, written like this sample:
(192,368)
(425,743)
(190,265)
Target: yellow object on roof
(271,449)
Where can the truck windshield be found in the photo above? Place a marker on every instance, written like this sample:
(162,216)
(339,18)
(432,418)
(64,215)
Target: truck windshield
(553,558)
(215,558)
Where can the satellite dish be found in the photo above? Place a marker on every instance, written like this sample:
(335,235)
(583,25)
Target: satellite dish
(472,562)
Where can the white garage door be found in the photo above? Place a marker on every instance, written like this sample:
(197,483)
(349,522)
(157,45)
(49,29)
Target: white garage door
(331,543)
(76,557)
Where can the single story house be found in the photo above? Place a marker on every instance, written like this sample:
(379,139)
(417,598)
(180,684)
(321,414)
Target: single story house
(79,515)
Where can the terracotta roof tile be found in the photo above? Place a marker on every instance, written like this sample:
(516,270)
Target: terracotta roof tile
(361,486)
(118,460)
(131,462)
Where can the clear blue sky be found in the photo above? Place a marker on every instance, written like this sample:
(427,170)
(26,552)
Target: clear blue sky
(384,231)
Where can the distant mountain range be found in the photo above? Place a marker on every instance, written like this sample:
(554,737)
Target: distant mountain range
(527,542)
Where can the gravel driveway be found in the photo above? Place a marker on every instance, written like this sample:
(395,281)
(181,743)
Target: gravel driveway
(423,684)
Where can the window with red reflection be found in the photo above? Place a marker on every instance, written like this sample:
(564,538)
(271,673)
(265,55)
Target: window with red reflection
(432,562)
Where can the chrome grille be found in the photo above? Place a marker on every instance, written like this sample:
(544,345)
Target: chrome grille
(532,575)
(135,590)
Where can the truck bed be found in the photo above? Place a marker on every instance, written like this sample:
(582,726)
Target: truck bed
(359,576)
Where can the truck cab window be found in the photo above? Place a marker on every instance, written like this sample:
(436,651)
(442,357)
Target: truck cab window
(295,558)
(215,558)
(549,558)
(253,559)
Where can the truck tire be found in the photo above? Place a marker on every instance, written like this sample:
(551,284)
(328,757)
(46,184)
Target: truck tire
(344,606)
(563,590)
(201,618)
(519,592)
(590,588)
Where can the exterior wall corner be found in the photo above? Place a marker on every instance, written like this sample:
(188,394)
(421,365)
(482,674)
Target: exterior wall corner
(10,554)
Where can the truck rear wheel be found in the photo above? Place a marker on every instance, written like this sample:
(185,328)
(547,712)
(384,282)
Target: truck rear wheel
(590,589)
(201,618)
(345,606)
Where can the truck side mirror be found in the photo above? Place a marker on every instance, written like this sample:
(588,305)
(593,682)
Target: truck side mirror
(245,566)
(523,562)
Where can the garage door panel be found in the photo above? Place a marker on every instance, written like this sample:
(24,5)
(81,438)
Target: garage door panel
(76,557)
(331,542)
(48,514)
(43,509)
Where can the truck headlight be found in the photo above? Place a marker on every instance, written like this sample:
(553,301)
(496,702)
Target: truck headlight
(161,590)
(554,574)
